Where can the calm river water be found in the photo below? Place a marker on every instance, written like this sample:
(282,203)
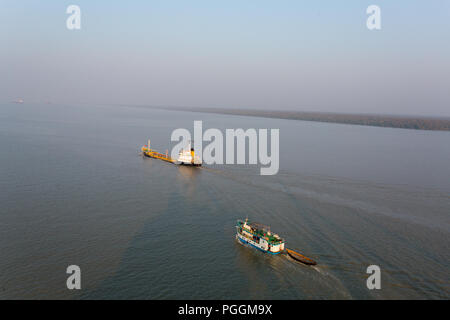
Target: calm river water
(74,190)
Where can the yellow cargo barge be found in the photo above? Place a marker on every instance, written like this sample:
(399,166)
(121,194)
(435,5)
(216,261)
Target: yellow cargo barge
(185,157)
(148,152)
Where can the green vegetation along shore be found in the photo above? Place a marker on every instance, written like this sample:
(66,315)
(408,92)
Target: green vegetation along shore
(391,121)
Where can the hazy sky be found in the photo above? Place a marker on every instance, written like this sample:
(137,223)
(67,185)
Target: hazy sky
(302,55)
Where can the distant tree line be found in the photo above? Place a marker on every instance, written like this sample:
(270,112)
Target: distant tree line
(419,123)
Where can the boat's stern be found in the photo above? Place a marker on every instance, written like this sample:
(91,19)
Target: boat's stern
(277,248)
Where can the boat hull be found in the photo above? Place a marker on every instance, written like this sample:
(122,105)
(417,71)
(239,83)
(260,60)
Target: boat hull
(157,155)
(254,244)
(189,164)
(301,258)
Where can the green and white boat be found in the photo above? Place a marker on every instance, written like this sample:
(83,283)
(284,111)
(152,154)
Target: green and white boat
(259,236)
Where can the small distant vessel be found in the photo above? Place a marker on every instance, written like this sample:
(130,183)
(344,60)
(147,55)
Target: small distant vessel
(259,237)
(185,157)
(19,100)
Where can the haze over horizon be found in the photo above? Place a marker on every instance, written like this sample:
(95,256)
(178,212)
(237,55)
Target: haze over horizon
(295,55)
